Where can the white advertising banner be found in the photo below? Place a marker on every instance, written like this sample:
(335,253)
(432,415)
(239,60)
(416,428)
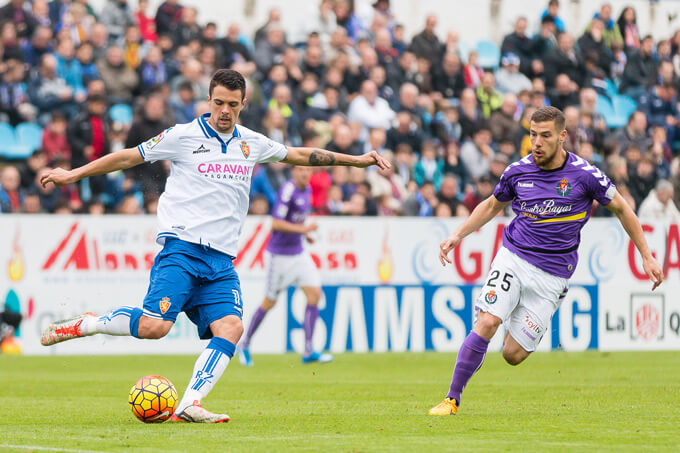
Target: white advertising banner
(383,286)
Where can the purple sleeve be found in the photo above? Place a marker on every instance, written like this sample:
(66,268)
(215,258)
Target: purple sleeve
(601,188)
(504,190)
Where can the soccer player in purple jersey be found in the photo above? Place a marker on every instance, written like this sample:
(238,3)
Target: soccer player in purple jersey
(552,192)
(289,264)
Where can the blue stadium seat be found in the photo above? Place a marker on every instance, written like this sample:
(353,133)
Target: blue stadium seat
(605,108)
(489,54)
(121,113)
(29,134)
(623,105)
(7,138)
(611,91)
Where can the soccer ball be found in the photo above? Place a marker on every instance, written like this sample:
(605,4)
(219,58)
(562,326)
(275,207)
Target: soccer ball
(153,399)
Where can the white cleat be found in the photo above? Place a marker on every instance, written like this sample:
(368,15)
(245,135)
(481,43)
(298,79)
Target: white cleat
(196,414)
(66,329)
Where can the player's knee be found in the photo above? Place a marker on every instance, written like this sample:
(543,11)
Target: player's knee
(153,329)
(268,304)
(514,357)
(229,327)
(487,324)
(313,295)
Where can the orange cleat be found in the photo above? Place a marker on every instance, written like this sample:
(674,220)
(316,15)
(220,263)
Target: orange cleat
(66,329)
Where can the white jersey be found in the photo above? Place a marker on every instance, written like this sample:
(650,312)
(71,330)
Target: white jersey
(206,195)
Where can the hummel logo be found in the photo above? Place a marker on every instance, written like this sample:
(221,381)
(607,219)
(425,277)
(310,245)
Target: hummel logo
(201,149)
(521,184)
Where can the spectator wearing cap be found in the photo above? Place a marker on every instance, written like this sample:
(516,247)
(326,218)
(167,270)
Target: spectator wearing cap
(659,205)
(477,153)
(520,45)
(490,99)
(508,77)
(426,44)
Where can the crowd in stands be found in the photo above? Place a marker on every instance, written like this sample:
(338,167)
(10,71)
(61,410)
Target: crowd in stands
(449,116)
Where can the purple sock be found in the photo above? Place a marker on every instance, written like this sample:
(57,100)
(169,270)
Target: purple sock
(311,313)
(258,316)
(469,360)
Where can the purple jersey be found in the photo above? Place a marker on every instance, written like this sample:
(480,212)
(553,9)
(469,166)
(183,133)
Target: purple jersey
(551,206)
(293,205)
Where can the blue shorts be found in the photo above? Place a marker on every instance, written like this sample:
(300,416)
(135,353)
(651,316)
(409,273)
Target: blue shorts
(195,279)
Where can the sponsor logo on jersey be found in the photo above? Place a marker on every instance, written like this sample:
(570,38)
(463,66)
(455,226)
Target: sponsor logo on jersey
(246,149)
(563,187)
(201,149)
(527,185)
(548,208)
(491,297)
(165,304)
(156,140)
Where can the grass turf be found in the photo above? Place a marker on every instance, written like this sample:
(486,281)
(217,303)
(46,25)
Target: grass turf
(361,402)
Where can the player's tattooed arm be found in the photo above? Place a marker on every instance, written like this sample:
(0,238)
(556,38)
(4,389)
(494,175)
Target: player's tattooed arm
(322,157)
(316,157)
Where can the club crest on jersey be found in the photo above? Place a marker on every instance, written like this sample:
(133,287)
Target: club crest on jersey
(491,297)
(563,187)
(165,304)
(246,149)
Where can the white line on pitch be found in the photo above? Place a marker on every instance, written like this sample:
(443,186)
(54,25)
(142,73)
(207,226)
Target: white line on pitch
(36,447)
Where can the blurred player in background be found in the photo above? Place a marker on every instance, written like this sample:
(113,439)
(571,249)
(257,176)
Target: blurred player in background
(552,192)
(289,264)
(200,216)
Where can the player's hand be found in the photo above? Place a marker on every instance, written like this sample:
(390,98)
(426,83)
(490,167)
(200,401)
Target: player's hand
(57,176)
(653,270)
(373,158)
(312,226)
(445,248)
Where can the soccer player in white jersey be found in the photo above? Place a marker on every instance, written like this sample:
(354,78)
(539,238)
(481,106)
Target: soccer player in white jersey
(552,193)
(200,216)
(288,263)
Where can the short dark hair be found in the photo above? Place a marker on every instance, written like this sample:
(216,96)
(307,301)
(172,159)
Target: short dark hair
(229,79)
(550,113)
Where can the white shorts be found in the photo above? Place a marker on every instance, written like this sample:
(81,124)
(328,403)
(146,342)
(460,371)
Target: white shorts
(289,270)
(523,296)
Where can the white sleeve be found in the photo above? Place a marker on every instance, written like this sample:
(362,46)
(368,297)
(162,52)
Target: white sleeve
(164,146)
(271,151)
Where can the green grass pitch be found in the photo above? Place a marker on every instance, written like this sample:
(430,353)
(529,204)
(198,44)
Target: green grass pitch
(556,401)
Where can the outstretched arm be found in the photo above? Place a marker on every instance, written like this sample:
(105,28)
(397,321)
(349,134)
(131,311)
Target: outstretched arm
(315,157)
(485,211)
(120,160)
(631,224)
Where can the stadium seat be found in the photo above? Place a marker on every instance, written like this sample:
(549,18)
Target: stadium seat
(604,107)
(28,134)
(7,139)
(121,113)
(489,54)
(611,91)
(623,105)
